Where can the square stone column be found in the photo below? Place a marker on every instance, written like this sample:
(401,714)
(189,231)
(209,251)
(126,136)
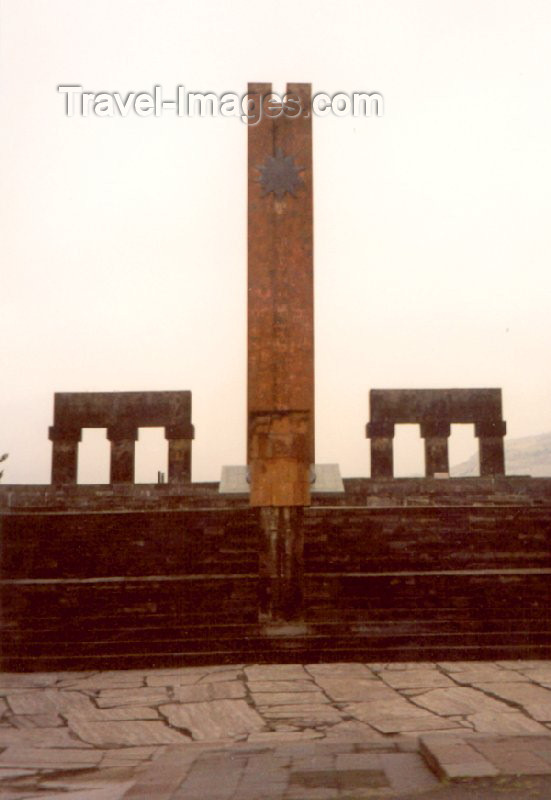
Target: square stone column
(179,439)
(279,462)
(64,454)
(382,448)
(436,434)
(123,440)
(280,377)
(490,434)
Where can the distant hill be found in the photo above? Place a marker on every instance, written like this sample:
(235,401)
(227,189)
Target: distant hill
(530,455)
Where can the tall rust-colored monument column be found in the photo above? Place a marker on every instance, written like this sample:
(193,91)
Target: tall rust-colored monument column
(280,438)
(280,299)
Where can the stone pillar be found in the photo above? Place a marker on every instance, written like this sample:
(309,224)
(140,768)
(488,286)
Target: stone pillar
(382,448)
(280,362)
(280,564)
(123,444)
(64,454)
(279,459)
(436,434)
(179,452)
(490,434)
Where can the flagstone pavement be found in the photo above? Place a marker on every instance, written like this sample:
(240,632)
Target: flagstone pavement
(289,731)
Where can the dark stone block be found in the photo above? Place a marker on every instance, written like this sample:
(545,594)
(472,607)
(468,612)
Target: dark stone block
(122,413)
(435,410)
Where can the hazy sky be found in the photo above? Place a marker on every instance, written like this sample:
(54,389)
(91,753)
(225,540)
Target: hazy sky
(123,240)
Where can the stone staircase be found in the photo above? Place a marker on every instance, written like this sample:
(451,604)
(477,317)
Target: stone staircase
(121,589)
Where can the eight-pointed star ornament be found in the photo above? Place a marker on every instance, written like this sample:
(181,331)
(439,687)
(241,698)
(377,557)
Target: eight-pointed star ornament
(279,174)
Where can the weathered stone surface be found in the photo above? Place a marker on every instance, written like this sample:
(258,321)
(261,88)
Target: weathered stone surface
(415,678)
(399,666)
(48,701)
(414,726)
(343,689)
(526,755)
(217,719)
(132,732)
(49,758)
(99,791)
(510,762)
(14,772)
(276,672)
(535,700)
(396,716)
(408,772)
(486,673)
(39,737)
(31,703)
(188,676)
(21,680)
(351,671)
(111,760)
(459,700)
(171,680)
(283,686)
(129,754)
(71,704)
(352,731)
(511,724)
(50,720)
(118,713)
(303,714)
(222,675)
(454,758)
(120,679)
(203,692)
(539,675)
(285,736)
(132,697)
(287,698)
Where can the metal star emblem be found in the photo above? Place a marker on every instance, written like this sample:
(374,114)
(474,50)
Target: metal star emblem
(279,174)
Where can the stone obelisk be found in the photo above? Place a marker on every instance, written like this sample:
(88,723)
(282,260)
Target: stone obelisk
(280,441)
(280,298)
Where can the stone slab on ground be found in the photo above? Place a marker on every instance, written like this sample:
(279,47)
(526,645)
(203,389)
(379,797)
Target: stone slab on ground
(109,698)
(128,732)
(535,700)
(456,758)
(202,692)
(346,690)
(283,686)
(45,757)
(292,771)
(428,678)
(276,672)
(460,700)
(397,715)
(218,719)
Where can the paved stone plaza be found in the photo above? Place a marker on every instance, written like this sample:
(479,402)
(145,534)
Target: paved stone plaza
(271,731)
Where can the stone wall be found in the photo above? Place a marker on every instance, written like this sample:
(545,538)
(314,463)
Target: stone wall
(89,589)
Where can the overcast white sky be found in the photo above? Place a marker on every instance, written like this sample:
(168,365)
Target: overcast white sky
(123,240)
